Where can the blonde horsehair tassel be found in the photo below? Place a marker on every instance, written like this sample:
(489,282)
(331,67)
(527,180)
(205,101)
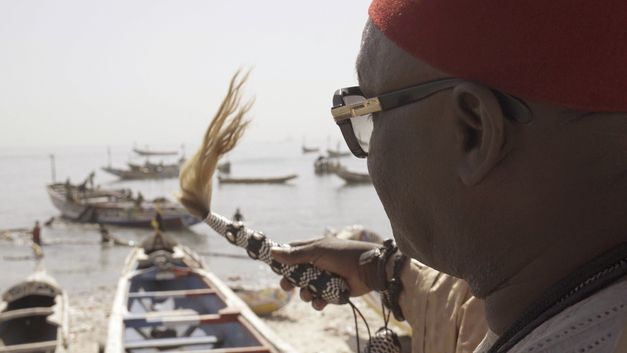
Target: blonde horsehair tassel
(225,130)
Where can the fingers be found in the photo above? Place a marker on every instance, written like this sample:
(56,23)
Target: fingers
(305,295)
(286,285)
(318,304)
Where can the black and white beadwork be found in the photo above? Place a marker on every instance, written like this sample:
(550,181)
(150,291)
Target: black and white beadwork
(323,284)
(384,341)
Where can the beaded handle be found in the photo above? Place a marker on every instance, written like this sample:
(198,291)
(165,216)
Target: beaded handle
(322,284)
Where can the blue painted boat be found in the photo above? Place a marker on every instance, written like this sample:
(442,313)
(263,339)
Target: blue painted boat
(167,301)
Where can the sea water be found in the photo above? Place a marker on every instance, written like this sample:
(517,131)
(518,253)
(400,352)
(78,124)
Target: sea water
(301,209)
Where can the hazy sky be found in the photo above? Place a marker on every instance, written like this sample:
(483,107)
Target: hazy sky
(154,71)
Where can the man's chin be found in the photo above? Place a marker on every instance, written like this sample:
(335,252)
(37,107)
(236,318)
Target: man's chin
(410,250)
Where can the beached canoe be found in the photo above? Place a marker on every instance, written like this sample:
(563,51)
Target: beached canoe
(263,301)
(272,180)
(167,300)
(34,316)
(116,207)
(353,177)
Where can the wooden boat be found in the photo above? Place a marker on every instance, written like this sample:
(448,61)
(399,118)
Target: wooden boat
(224,167)
(136,172)
(272,180)
(337,153)
(146,152)
(263,301)
(167,301)
(310,149)
(34,317)
(325,165)
(116,207)
(353,177)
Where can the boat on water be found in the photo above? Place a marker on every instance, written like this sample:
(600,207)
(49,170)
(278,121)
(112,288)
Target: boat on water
(116,207)
(167,300)
(34,316)
(325,165)
(310,149)
(146,171)
(271,180)
(224,167)
(337,153)
(353,177)
(146,152)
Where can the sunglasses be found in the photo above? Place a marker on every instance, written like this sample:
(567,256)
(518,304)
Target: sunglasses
(353,112)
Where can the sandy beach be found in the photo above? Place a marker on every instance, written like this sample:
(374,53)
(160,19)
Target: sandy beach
(307,330)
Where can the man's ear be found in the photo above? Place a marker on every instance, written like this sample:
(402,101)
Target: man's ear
(481,135)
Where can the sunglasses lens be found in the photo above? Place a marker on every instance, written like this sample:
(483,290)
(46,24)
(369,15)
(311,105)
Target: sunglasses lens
(362,127)
(362,124)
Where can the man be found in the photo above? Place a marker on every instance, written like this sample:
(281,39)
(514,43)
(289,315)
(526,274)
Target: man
(105,236)
(36,234)
(238,216)
(36,239)
(503,164)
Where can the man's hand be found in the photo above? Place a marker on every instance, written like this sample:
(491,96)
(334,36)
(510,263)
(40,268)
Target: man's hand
(334,255)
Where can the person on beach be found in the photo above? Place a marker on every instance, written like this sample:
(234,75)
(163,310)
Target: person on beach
(498,149)
(105,236)
(36,241)
(238,216)
(36,234)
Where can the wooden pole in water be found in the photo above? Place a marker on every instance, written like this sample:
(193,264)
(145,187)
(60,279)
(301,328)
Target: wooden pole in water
(53,168)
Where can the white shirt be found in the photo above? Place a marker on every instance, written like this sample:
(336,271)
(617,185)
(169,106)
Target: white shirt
(594,325)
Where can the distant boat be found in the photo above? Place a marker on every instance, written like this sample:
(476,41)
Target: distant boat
(147,152)
(224,167)
(325,165)
(337,153)
(167,300)
(116,207)
(271,180)
(34,317)
(146,171)
(310,149)
(353,177)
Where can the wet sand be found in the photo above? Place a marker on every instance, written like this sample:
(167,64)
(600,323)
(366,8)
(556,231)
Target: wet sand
(307,330)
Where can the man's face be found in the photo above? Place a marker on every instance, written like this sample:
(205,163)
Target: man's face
(410,150)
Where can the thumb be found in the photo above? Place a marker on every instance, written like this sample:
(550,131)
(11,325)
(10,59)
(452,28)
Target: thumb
(293,255)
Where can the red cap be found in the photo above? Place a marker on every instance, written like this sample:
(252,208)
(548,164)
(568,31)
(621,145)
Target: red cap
(567,52)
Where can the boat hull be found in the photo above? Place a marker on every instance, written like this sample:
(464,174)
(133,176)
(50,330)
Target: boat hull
(34,317)
(182,307)
(123,213)
(277,180)
(352,177)
(141,174)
